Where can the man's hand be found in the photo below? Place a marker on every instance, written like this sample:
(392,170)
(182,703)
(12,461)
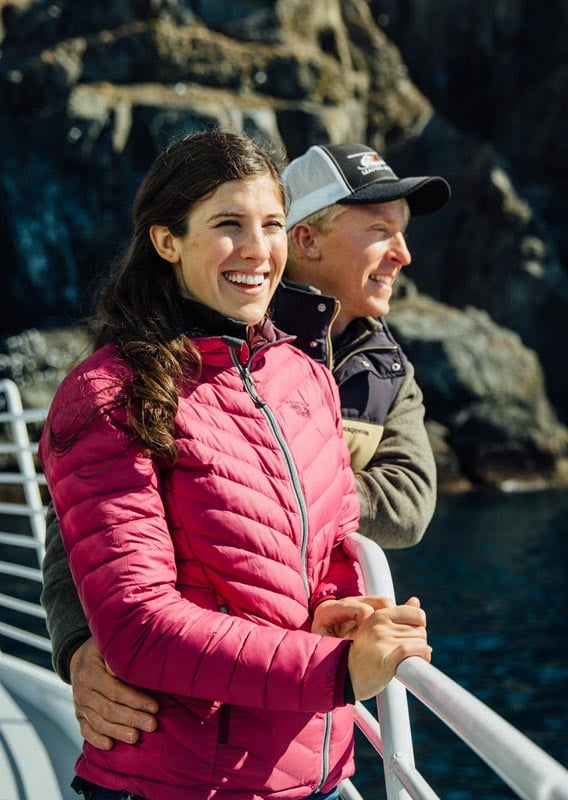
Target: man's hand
(108,710)
(381,641)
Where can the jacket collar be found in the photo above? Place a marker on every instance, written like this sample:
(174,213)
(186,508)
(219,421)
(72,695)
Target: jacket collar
(310,314)
(200,320)
(213,331)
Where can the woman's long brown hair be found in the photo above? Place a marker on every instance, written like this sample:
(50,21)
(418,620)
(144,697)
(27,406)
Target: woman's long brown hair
(139,308)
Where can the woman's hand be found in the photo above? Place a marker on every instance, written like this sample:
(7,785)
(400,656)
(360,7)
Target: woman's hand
(340,618)
(381,641)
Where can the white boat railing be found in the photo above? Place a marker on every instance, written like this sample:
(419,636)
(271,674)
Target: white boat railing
(527,769)
(25,485)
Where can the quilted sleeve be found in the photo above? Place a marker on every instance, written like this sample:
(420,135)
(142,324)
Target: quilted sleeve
(343,579)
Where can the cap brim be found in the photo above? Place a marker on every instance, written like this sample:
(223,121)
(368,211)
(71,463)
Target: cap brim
(424,195)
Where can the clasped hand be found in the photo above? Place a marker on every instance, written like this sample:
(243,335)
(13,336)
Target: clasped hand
(382,633)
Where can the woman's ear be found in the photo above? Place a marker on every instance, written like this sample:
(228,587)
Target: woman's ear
(306,240)
(165,243)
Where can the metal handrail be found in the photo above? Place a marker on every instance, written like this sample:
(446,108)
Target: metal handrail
(29,478)
(20,571)
(17,540)
(18,420)
(31,639)
(15,477)
(527,769)
(27,414)
(16,604)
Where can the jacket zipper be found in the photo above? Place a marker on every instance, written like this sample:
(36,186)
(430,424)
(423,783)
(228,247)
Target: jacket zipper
(325,752)
(329,343)
(248,383)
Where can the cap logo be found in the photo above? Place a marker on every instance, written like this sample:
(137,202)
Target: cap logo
(369,163)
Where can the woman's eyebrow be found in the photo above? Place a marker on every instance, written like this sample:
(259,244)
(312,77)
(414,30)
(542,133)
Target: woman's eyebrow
(221,214)
(226,214)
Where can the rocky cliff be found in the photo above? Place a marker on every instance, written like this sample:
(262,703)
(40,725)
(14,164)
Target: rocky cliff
(470,89)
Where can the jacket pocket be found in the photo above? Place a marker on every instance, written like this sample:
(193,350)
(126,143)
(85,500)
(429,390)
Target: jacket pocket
(224,724)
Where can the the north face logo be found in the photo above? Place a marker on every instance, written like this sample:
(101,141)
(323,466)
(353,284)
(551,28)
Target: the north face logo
(300,408)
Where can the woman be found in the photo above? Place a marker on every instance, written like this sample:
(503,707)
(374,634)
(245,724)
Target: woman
(197,467)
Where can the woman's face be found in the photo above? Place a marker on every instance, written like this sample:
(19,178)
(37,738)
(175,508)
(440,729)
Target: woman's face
(234,252)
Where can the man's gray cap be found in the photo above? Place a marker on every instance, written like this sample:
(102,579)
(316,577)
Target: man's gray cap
(352,174)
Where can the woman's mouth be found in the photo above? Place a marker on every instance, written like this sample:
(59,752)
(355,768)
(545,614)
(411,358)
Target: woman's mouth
(245,278)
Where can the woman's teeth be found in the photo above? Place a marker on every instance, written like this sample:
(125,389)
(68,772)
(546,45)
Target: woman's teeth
(241,277)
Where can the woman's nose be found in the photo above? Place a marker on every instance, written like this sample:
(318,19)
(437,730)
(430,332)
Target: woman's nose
(254,246)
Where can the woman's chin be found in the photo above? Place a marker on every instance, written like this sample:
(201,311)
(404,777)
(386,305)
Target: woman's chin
(250,313)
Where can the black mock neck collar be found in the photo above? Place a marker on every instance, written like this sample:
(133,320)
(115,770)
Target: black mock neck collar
(200,320)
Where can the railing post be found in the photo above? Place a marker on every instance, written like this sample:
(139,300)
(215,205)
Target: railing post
(392,704)
(26,464)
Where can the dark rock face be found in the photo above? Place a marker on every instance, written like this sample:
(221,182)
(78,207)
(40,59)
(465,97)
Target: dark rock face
(90,92)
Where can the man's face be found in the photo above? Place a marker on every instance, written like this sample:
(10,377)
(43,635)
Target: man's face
(360,259)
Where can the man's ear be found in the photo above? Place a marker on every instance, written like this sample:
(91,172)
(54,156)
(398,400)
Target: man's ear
(165,243)
(306,240)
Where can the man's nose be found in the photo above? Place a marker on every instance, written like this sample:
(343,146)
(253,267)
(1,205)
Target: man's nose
(400,251)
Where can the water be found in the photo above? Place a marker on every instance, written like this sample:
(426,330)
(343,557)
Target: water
(492,574)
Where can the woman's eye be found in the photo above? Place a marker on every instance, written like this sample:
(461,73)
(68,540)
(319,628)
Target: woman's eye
(274,223)
(226,222)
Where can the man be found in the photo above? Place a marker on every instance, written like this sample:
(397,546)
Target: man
(347,220)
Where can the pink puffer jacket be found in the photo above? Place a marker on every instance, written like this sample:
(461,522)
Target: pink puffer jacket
(199,582)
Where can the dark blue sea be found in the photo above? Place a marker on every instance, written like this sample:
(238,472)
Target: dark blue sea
(492,574)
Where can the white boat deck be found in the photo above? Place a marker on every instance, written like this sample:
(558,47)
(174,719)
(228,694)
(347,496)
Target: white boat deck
(37,753)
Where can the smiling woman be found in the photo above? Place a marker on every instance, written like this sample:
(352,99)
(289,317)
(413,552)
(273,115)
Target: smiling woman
(234,252)
(203,486)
